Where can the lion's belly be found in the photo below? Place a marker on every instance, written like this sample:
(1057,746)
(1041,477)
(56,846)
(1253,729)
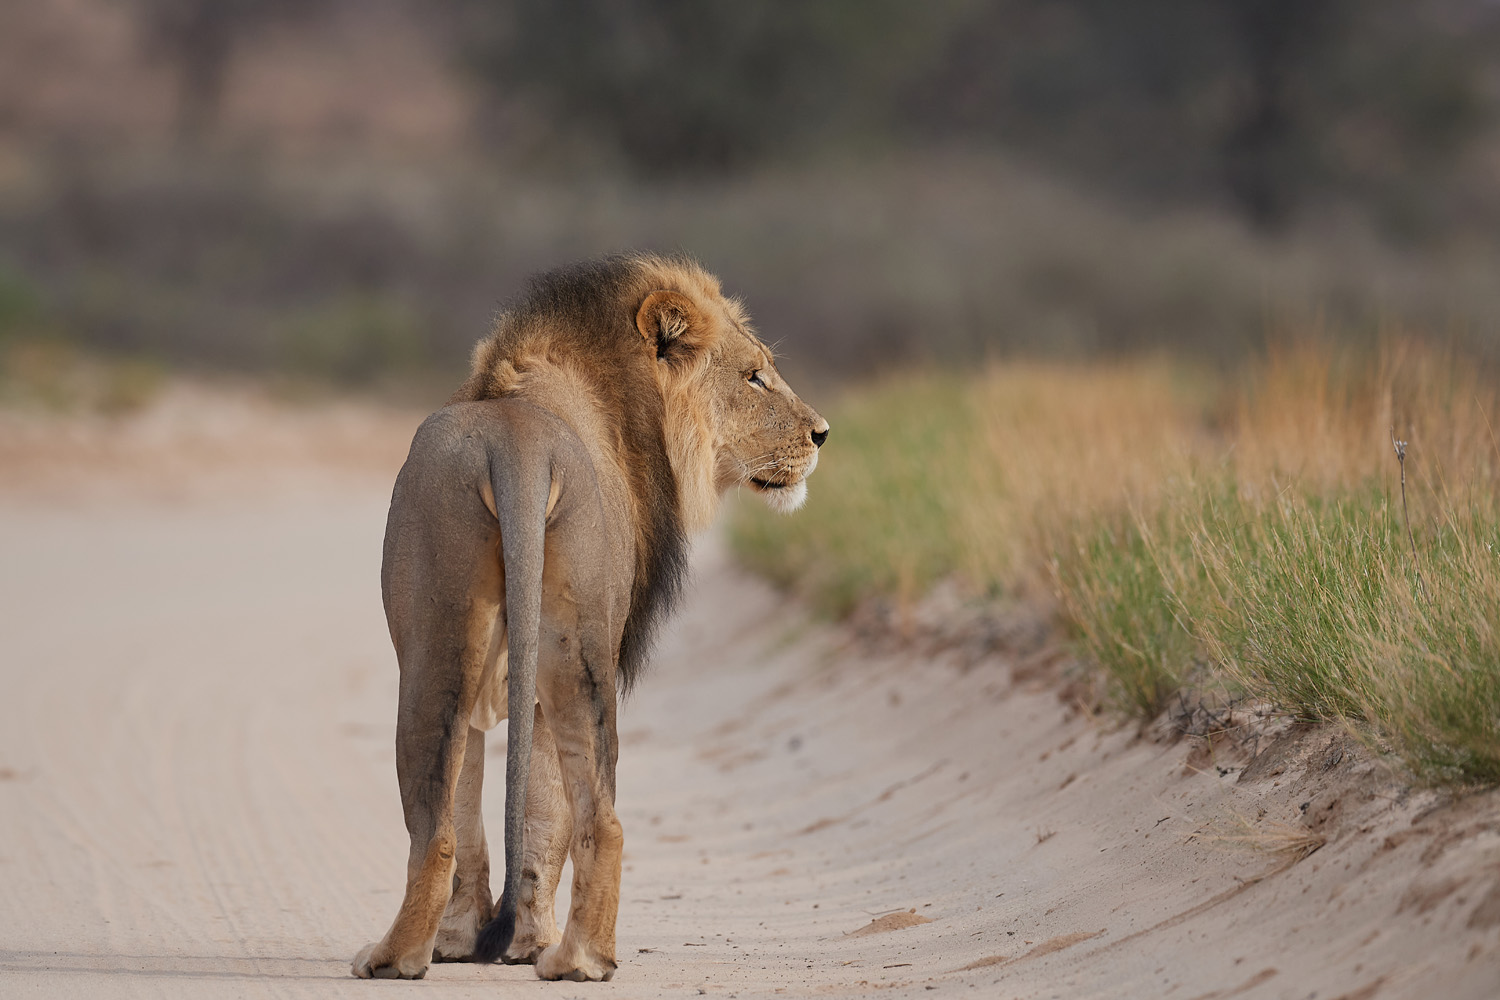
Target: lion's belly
(490,705)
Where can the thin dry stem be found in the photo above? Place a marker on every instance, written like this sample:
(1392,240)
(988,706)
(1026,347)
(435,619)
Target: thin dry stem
(1400,449)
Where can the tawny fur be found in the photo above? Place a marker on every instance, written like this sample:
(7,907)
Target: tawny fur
(537,538)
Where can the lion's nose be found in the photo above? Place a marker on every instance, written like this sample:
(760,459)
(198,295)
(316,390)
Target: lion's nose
(818,437)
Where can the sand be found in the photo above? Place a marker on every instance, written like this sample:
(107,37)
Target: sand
(198,798)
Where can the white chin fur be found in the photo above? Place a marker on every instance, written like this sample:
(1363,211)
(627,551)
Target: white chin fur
(786,499)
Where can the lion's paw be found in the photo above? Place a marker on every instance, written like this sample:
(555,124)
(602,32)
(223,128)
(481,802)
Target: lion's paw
(456,935)
(375,962)
(577,964)
(453,946)
(536,931)
(524,951)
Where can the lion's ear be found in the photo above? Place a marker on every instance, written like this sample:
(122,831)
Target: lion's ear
(671,325)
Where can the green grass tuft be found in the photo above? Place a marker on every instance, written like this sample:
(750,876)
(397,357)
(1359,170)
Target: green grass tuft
(1123,610)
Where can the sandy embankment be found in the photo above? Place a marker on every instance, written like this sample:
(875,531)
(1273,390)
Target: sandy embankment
(197,792)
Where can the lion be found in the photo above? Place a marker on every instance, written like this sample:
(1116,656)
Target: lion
(537,538)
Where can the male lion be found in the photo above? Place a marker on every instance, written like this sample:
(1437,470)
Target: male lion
(537,536)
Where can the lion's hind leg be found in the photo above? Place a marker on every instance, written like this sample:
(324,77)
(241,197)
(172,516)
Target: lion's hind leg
(443,588)
(469,908)
(583,724)
(549,828)
(427,794)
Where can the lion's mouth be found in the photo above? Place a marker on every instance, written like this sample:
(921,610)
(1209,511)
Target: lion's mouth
(782,494)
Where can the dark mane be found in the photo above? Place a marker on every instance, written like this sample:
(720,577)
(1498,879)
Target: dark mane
(587,310)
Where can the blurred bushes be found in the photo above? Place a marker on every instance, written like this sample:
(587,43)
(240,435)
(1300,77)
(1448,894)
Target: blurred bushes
(1268,106)
(22,314)
(41,366)
(687,87)
(355,339)
(213,263)
(849,266)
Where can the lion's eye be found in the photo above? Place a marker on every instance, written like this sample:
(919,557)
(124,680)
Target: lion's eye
(755,380)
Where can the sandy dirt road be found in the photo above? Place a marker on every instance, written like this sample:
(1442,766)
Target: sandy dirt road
(197,798)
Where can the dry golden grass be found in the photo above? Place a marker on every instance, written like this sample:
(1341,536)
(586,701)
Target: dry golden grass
(1288,841)
(1062,444)
(1248,529)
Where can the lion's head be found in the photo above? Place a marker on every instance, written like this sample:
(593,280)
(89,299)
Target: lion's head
(672,360)
(732,420)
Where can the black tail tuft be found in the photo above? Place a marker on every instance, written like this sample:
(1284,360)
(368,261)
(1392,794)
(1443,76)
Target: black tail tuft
(495,936)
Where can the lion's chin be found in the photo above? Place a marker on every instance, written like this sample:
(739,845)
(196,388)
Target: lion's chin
(784,499)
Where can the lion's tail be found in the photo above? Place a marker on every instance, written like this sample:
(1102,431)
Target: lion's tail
(521,488)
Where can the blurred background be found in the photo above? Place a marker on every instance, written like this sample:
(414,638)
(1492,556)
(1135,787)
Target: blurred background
(346,190)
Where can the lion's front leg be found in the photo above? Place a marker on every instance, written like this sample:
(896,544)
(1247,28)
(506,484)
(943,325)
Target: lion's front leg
(549,827)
